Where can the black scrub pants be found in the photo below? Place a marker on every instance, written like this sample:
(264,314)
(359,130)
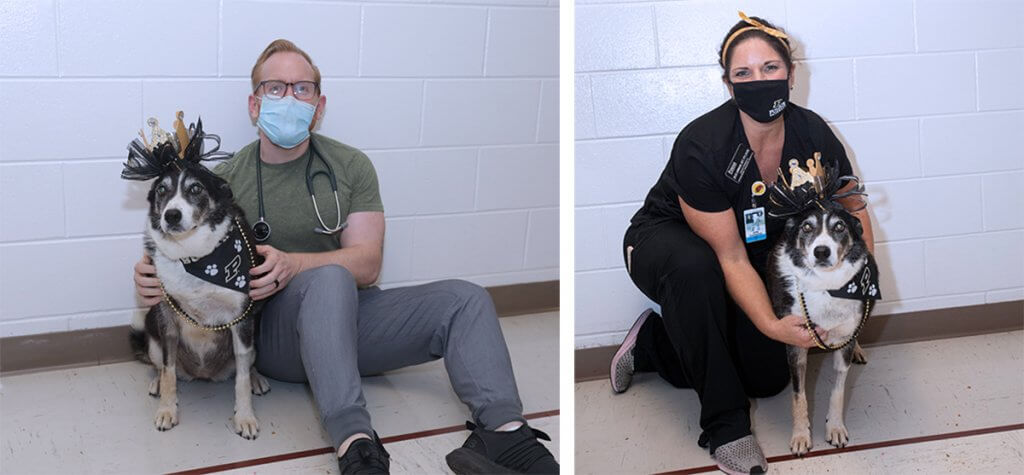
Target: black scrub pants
(702,340)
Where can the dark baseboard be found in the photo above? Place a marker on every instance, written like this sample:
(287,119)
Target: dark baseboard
(593,363)
(32,353)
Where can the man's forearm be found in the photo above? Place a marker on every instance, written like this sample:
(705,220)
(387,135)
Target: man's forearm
(362,261)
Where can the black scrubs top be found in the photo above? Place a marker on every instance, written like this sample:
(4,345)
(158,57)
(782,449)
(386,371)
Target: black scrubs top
(712,168)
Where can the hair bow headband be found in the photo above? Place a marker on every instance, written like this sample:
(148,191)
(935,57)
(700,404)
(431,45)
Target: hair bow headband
(150,159)
(817,186)
(754,25)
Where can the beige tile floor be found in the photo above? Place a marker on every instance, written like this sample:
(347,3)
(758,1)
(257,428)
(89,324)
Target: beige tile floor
(907,390)
(100,420)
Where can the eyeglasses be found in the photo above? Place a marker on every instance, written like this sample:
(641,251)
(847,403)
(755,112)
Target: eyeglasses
(300,89)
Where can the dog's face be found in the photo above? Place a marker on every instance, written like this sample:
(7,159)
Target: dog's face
(182,200)
(823,239)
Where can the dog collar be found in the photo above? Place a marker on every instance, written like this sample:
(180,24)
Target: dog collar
(863,285)
(227,266)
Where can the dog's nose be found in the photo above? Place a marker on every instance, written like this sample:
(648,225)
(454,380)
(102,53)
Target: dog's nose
(822,252)
(173,216)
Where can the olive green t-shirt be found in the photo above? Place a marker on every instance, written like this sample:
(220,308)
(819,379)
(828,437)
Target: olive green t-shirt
(288,208)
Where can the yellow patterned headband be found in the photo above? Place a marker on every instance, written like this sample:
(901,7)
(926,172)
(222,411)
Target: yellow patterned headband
(754,25)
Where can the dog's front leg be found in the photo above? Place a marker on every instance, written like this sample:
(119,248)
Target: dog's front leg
(167,411)
(246,424)
(835,429)
(800,443)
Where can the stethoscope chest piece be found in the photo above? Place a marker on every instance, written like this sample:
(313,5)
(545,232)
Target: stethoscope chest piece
(261,230)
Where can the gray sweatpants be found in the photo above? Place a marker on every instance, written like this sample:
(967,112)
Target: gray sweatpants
(321,329)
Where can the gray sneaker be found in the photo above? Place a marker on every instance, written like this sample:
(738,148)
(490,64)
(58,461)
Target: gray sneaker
(741,456)
(621,372)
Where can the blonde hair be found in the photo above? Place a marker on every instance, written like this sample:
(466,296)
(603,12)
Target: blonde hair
(280,46)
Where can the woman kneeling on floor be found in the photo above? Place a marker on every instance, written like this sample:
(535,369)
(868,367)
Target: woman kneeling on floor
(691,250)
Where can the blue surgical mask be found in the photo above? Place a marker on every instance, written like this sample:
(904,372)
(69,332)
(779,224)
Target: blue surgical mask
(285,121)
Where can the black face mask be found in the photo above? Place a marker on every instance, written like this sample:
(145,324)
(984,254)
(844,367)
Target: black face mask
(763,101)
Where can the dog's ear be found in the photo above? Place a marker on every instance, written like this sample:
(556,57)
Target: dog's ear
(225,188)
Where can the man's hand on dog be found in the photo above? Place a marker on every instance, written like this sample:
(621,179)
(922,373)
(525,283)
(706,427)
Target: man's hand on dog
(791,330)
(146,282)
(274,273)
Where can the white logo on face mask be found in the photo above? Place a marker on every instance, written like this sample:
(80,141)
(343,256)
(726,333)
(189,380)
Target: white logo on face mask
(777,107)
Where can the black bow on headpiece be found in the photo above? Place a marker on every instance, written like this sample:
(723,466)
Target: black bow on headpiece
(147,161)
(816,186)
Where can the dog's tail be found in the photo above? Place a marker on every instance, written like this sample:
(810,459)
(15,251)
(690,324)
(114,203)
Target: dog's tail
(137,337)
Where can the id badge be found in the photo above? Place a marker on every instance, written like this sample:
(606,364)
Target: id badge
(753,223)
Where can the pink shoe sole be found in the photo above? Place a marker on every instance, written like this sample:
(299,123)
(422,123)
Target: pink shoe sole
(621,377)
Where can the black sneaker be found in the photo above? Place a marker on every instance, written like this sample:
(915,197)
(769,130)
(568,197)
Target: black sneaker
(365,456)
(488,451)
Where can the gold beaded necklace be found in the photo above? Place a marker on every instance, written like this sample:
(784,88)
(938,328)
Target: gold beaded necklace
(814,334)
(184,316)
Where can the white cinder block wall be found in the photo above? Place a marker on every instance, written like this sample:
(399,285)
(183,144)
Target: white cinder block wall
(926,95)
(455,102)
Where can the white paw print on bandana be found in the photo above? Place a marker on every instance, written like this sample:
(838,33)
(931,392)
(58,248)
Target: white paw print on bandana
(240,281)
(852,288)
(238,245)
(872,290)
(211,269)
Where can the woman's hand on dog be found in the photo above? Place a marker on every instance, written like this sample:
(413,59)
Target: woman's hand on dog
(791,330)
(146,282)
(274,273)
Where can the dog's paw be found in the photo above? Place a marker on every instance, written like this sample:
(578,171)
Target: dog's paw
(859,357)
(166,418)
(154,387)
(800,444)
(260,385)
(247,426)
(836,435)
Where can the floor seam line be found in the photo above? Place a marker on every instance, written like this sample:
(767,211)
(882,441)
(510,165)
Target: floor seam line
(326,450)
(868,446)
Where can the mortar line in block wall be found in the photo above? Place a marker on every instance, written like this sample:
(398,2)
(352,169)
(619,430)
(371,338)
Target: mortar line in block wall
(362,31)
(657,44)
(598,206)
(540,108)
(423,115)
(609,72)
(476,183)
(913,9)
(69,239)
(56,34)
(471,277)
(63,198)
(945,176)
(526,239)
(856,103)
(230,78)
(484,212)
(220,38)
(951,236)
(423,148)
(487,40)
(977,83)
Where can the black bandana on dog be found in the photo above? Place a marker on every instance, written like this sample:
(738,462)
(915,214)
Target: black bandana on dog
(863,285)
(227,266)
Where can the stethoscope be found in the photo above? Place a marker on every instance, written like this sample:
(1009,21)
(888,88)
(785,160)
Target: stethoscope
(261,229)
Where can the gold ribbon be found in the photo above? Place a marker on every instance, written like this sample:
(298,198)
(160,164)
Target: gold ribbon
(754,25)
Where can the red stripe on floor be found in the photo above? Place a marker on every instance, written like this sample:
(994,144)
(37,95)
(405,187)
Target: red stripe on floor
(327,450)
(855,448)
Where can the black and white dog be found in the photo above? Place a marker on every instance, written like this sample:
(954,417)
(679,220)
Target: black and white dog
(820,268)
(202,249)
